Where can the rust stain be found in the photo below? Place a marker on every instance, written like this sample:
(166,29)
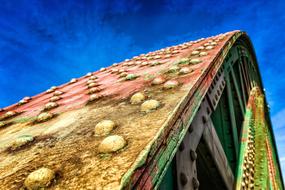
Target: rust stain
(71,148)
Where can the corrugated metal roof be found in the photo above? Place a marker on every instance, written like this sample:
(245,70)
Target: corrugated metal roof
(91,133)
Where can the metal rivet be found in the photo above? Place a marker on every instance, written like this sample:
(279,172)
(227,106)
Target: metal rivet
(183,179)
(204,119)
(195,183)
(193,155)
(208,110)
(190,129)
(181,146)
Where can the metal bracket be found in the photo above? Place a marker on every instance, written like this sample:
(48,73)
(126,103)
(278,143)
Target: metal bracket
(215,91)
(186,155)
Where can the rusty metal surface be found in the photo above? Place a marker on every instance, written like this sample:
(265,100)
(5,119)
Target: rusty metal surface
(258,167)
(64,139)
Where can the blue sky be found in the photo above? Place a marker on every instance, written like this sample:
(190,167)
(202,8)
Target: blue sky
(45,43)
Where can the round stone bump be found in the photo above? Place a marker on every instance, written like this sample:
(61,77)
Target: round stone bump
(158,80)
(170,84)
(90,81)
(173,69)
(137,98)
(44,116)
(9,114)
(93,77)
(195,52)
(24,100)
(39,179)
(89,74)
(21,141)
(184,61)
(52,89)
(203,53)
(57,93)
(74,80)
(185,70)
(131,77)
(93,90)
(123,74)
(93,84)
(111,144)
(2,124)
(54,98)
(104,127)
(195,61)
(50,105)
(94,97)
(150,105)
(209,47)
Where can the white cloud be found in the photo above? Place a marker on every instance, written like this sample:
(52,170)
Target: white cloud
(278,120)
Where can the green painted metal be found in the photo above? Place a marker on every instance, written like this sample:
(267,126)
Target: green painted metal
(232,115)
(237,89)
(244,97)
(242,80)
(221,121)
(257,166)
(169,180)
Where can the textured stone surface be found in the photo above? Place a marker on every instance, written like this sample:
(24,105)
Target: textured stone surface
(21,141)
(150,105)
(50,105)
(104,127)
(39,179)
(170,84)
(44,116)
(137,98)
(158,80)
(112,144)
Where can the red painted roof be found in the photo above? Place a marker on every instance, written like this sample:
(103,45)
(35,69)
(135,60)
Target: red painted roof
(110,83)
(67,144)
